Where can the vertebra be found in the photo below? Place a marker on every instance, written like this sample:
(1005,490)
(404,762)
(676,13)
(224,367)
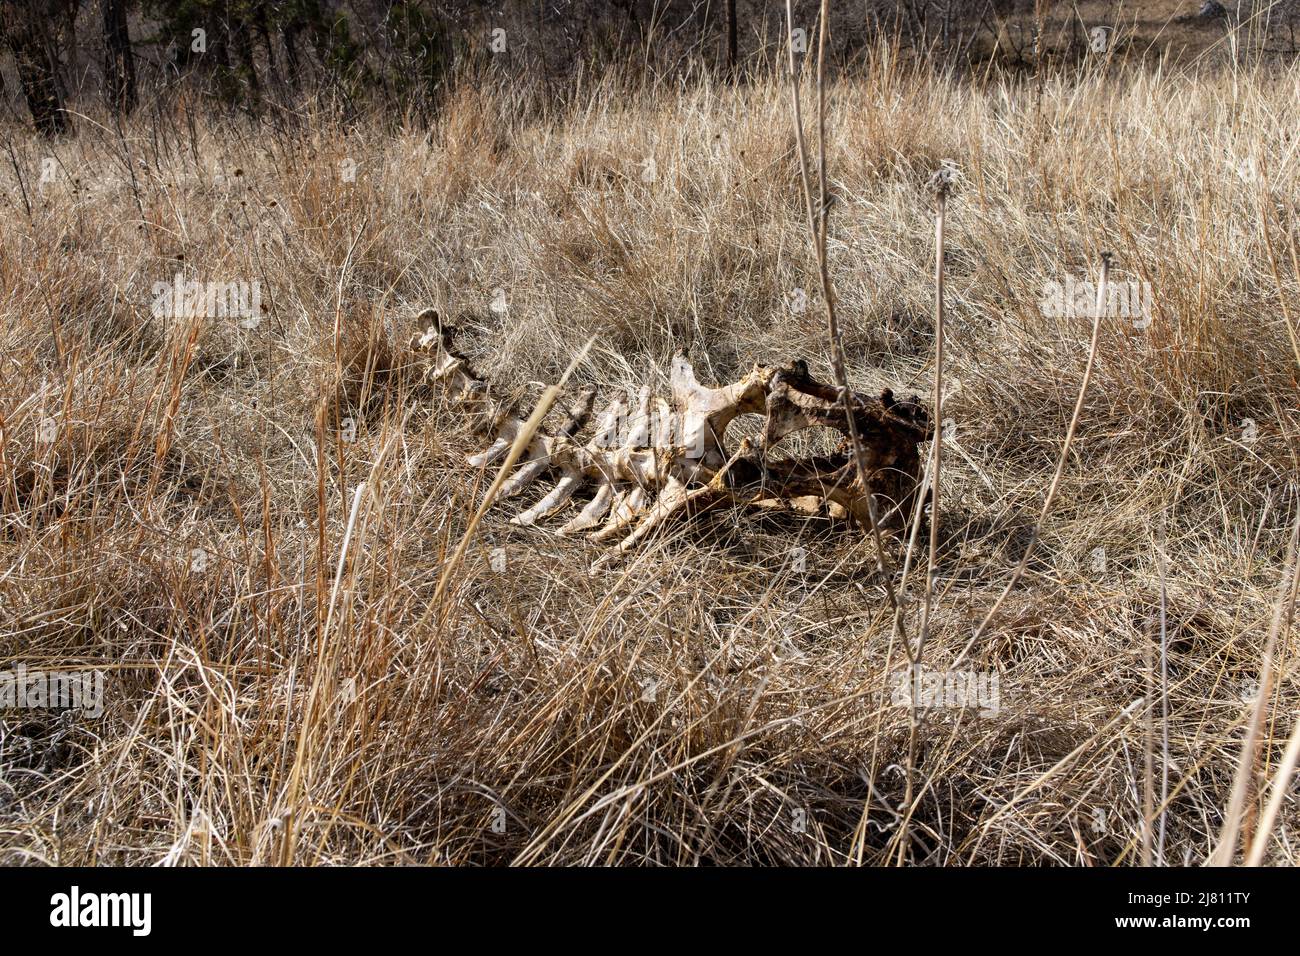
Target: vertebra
(668,457)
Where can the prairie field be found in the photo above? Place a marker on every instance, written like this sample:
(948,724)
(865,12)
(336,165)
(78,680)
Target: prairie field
(248,525)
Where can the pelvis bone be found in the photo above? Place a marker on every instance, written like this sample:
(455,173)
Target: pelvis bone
(658,458)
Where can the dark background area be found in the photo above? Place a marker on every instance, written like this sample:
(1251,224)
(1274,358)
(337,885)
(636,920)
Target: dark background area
(60,57)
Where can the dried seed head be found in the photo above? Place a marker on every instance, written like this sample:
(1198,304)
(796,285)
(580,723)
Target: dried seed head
(943,178)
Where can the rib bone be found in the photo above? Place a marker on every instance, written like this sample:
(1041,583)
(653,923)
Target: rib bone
(670,457)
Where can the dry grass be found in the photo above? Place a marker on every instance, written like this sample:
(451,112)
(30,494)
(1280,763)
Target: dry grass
(297,697)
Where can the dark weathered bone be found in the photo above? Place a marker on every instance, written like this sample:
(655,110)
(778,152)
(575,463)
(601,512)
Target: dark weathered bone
(672,457)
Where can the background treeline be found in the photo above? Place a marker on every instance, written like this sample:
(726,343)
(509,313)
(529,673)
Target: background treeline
(404,53)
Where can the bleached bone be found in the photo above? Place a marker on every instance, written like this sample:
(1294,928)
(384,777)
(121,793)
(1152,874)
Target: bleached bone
(553,502)
(670,458)
(595,510)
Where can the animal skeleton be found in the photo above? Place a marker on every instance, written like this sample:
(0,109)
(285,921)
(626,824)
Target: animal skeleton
(666,457)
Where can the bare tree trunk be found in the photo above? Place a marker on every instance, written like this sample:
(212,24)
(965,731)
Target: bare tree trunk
(41,90)
(264,31)
(729,20)
(21,29)
(289,36)
(240,45)
(119,68)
